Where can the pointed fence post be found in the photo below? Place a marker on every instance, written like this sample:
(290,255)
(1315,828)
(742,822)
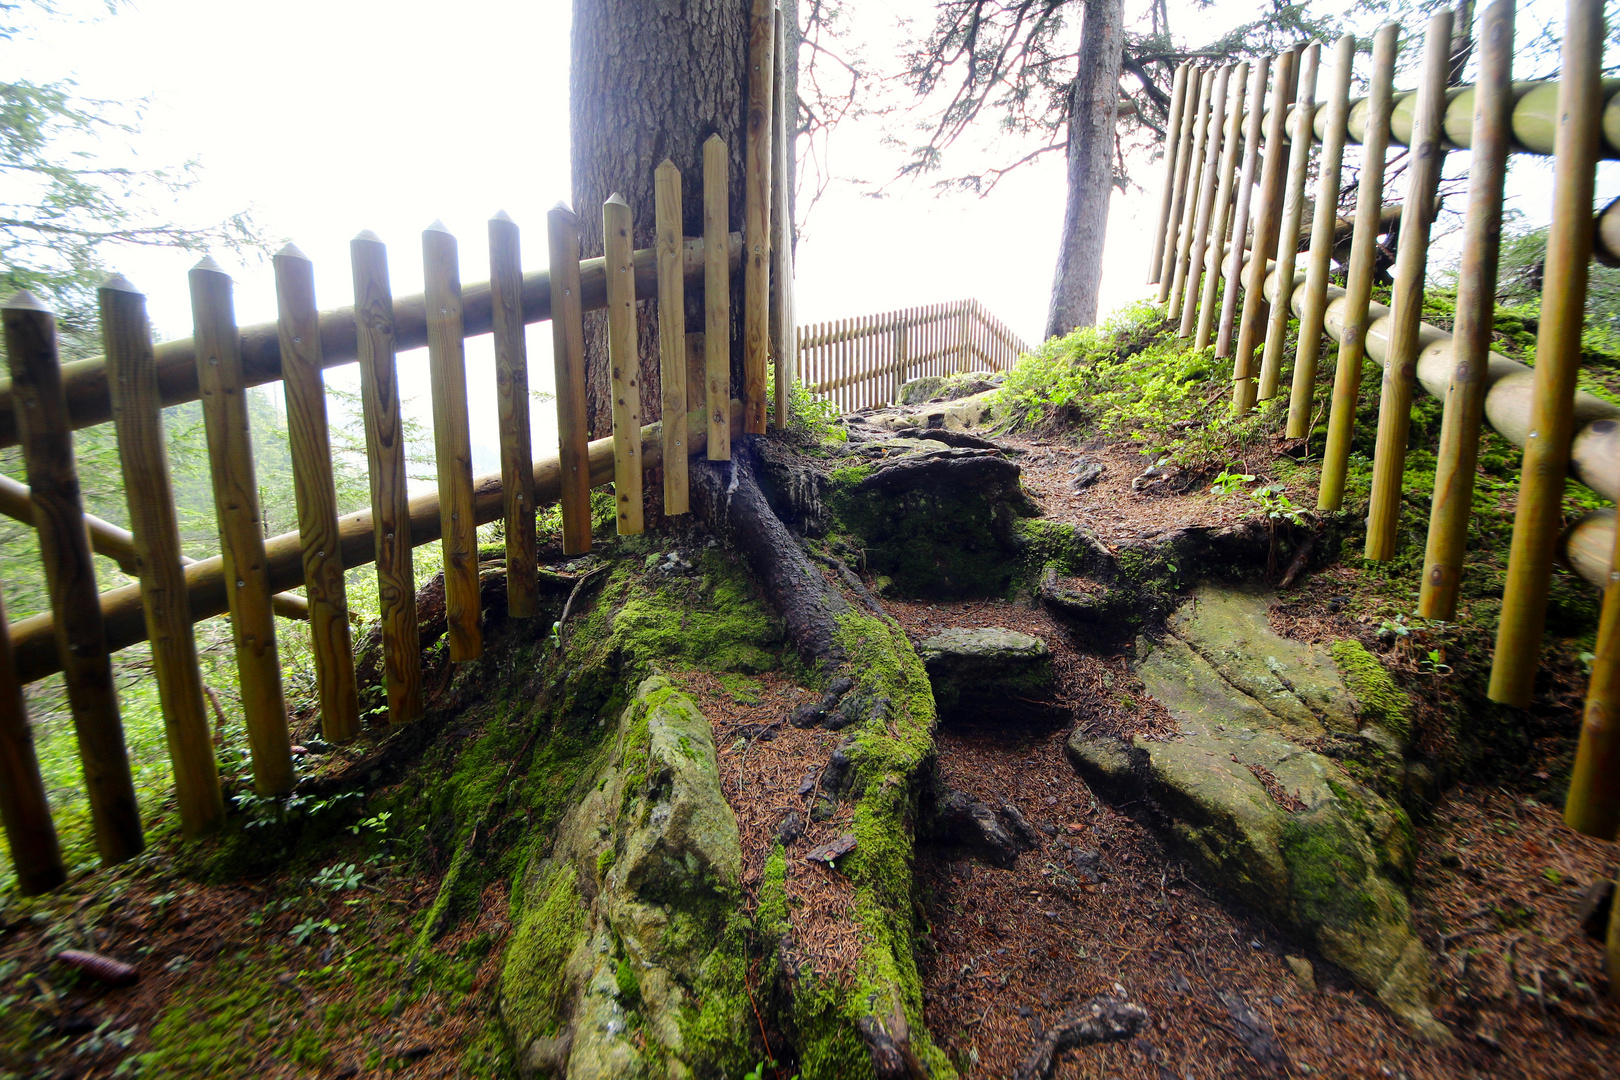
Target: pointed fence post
(1359,278)
(1313,309)
(36,855)
(512,406)
(1207,188)
(1267,224)
(385,458)
(1240,215)
(717,297)
(1178,198)
(155,533)
(1172,142)
(671,334)
(624,363)
(1293,213)
(1537,519)
(568,351)
(1195,186)
(1220,213)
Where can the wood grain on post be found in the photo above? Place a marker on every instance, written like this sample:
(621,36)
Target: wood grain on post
(385,457)
(1558,356)
(568,350)
(36,855)
(671,332)
(1172,143)
(757,217)
(144,462)
(64,547)
(1411,270)
(1319,262)
(1240,213)
(1359,277)
(1194,195)
(241,530)
(716,296)
(512,409)
(1181,160)
(1207,190)
(783,340)
(1221,212)
(452,442)
(1293,214)
(1267,225)
(1452,506)
(310,443)
(624,364)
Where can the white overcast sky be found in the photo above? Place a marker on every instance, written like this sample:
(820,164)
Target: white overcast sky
(334,116)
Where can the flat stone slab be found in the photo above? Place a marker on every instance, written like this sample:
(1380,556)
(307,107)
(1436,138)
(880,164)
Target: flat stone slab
(991,670)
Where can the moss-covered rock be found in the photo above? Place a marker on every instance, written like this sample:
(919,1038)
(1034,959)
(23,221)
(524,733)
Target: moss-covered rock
(977,672)
(1377,698)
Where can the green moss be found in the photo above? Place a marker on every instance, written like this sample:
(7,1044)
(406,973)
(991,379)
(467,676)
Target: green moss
(771,917)
(532,985)
(624,977)
(604,862)
(717,622)
(221,1023)
(1380,700)
(1326,873)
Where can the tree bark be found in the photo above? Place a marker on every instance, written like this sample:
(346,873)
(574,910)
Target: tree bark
(652,79)
(1093,114)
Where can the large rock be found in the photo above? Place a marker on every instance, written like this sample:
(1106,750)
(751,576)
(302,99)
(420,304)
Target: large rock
(992,672)
(624,963)
(1278,825)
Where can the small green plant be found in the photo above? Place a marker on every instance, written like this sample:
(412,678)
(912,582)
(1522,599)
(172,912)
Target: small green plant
(1434,662)
(377,823)
(1274,501)
(306,930)
(339,877)
(1228,482)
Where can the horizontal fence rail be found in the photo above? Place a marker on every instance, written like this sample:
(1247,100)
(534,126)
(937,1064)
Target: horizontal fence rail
(45,401)
(1244,230)
(861,363)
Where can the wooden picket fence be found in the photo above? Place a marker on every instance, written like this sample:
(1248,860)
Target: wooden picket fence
(131,384)
(861,363)
(1243,225)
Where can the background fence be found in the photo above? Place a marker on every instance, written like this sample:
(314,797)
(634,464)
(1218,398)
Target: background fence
(1222,223)
(861,363)
(131,384)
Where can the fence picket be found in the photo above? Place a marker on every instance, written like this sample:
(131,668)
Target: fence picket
(568,351)
(1267,225)
(1178,94)
(385,457)
(1245,197)
(757,216)
(624,365)
(1194,195)
(1293,214)
(671,332)
(512,405)
(1183,157)
(1220,212)
(36,855)
(716,297)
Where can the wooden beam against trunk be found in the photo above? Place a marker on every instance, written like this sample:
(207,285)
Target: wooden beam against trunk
(75,629)
(84,382)
(1558,356)
(757,216)
(144,462)
(33,638)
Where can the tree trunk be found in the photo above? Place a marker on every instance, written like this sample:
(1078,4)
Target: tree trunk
(1093,107)
(652,79)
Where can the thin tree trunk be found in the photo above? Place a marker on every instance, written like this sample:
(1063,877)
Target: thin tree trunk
(1093,110)
(652,79)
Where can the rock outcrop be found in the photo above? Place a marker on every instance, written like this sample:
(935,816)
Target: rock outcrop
(986,672)
(1248,792)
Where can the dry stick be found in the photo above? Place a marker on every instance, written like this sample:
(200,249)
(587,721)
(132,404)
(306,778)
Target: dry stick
(624,363)
(1411,267)
(1558,357)
(1221,212)
(1213,159)
(512,405)
(716,296)
(568,350)
(452,443)
(241,530)
(309,442)
(1178,94)
(1323,235)
(138,420)
(671,334)
(24,812)
(1476,291)
(385,456)
(1299,160)
(757,217)
(1245,196)
(1267,224)
(782,336)
(1363,245)
(1180,158)
(1193,198)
